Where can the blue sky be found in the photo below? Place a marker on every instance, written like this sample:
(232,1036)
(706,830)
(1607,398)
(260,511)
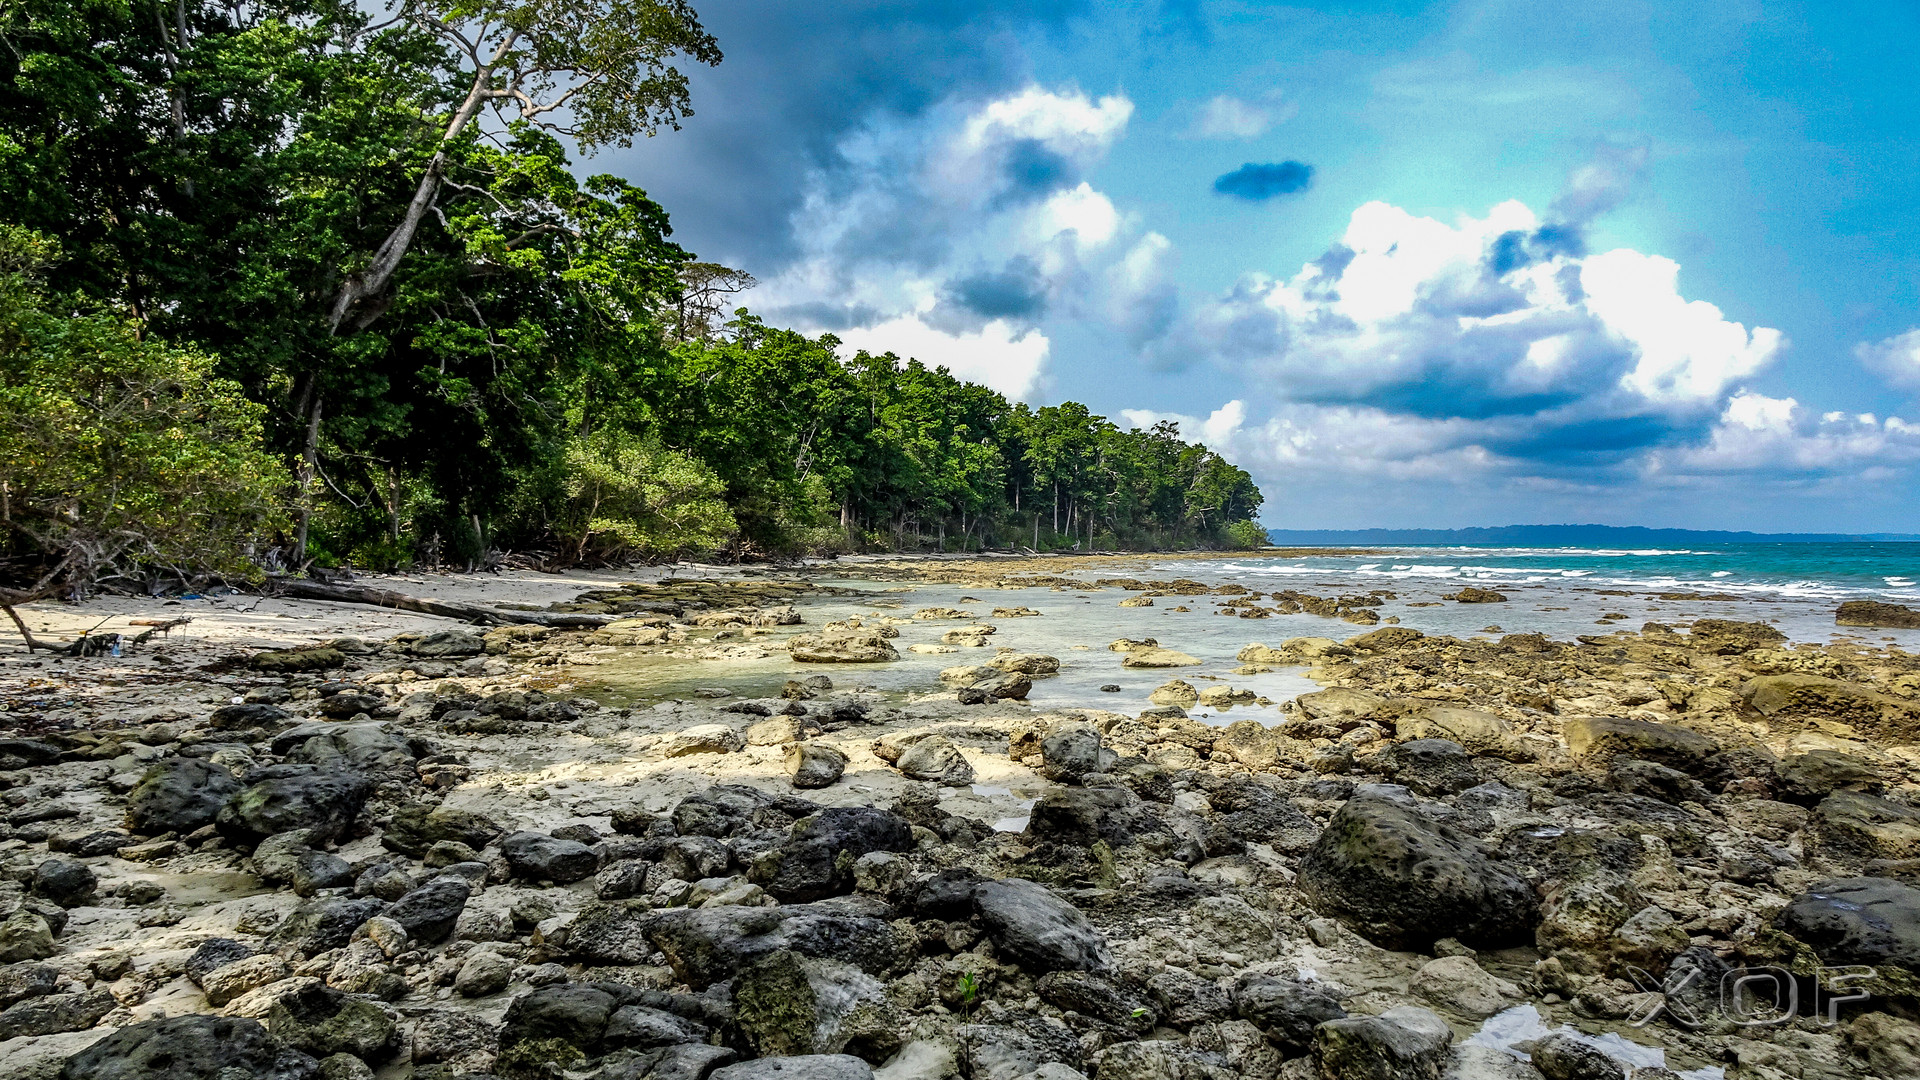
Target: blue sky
(1412,264)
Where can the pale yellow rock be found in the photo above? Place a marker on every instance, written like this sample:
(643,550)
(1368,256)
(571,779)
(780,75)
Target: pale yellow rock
(1174,692)
(777,731)
(1339,703)
(1158,658)
(224,984)
(1026,663)
(1479,732)
(1219,696)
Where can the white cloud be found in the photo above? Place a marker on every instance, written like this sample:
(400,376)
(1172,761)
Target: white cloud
(1329,441)
(1069,122)
(1685,351)
(1895,359)
(1780,437)
(998,355)
(951,238)
(1491,316)
(1228,117)
(1082,211)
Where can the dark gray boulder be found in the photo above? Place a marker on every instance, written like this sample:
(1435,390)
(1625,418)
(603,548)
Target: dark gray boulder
(1807,778)
(576,1013)
(282,798)
(65,882)
(1562,1057)
(1246,811)
(55,1013)
(323,923)
(1099,997)
(322,1021)
(1074,750)
(448,643)
(430,911)
(1863,920)
(1432,767)
(803,1067)
(18,982)
(367,747)
(1287,1010)
(1652,780)
(644,1027)
(1038,929)
(249,715)
(814,765)
(729,809)
(213,954)
(1403,879)
(1404,1043)
(1083,816)
(946,895)
(817,860)
(709,945)
(415,828)
(539,857)
(179,794)
(312,871)
(190,1048)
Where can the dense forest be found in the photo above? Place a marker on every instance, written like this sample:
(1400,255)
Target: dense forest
(285,282)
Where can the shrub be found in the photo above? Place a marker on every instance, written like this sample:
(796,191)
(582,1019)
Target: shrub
(124,458)
(1247,536)
(629,495)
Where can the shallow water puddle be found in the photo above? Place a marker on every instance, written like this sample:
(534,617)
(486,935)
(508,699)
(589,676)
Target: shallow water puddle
(1522,1023)
(1024,797)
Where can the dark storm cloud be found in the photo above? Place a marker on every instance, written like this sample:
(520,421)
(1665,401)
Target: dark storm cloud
(798,78)
(1257,182)
(1016,292)
(1513,250)
(1033,171)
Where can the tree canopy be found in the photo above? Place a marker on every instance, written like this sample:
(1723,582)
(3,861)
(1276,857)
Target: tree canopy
(368,229)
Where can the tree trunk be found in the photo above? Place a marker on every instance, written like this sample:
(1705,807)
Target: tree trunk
(393,504)
(25,634)
(302,589)
(372,280)
(309,469)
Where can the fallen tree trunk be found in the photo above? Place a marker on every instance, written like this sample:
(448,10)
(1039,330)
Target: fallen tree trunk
(302,589)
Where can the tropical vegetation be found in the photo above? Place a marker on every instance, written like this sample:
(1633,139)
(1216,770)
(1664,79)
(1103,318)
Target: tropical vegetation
(287,281)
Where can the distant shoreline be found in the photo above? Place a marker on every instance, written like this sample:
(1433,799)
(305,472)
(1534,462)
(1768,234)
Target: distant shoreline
(1567,536)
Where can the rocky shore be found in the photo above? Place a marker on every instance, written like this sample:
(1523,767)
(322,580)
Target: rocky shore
(437,854)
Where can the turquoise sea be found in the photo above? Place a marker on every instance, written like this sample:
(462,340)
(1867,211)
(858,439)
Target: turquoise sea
(1840,571)
(1564,591)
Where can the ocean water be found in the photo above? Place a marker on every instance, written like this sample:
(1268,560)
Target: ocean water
(1565,592)
(1864,570)
(1561,592)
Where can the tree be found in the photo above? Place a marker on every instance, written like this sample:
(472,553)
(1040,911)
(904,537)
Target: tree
(125,459)
(375,231)
(1247,536)
(704,291)
(628,495)
(597,71)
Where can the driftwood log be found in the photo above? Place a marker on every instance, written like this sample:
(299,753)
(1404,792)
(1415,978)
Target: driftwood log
(302,589)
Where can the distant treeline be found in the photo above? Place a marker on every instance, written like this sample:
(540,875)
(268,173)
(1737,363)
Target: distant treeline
(344,297)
